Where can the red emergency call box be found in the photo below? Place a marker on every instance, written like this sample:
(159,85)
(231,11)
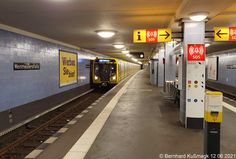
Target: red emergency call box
(232,33)
(151,35)
(196,52)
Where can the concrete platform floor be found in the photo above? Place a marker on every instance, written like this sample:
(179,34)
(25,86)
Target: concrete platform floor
(144,125)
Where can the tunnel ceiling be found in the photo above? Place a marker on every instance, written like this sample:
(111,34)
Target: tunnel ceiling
(75,21)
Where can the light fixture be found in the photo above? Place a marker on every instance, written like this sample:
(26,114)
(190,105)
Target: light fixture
(106,33)
(140,63)
(128,55)
(156,56)
(134,59)
(173,43)
(161,50)
(207,44)
(125,51)
(119,46)
(198,16)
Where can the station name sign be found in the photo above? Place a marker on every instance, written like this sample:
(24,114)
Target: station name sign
(26,66)
(151,35)
(196,52)
(231,66)
(225,33)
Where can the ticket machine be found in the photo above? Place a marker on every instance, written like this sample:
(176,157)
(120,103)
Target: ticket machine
(213,119)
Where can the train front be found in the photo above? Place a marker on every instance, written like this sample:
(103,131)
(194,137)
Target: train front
(105,72)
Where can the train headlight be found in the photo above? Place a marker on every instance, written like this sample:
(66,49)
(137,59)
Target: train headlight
(96,77)
(114,78)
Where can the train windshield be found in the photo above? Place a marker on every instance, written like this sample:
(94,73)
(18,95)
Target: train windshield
(113,69)
(105,71)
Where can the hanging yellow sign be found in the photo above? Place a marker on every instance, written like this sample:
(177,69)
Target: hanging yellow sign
(151,35)
(139,36)
(221,34)
(68,68)
(164,35)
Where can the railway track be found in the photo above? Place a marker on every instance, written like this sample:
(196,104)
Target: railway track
(226,94)
(20,142)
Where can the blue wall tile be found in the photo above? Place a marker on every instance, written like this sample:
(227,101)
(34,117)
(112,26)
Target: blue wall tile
(227,76)
(21,87)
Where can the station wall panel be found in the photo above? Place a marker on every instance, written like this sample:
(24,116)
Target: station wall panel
(227,69)
(226,75)
(24,86)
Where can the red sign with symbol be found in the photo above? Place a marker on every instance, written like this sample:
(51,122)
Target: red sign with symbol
(196,52)
(151,35)
(232,33)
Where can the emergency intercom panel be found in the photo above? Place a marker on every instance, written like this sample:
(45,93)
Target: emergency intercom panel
(195,81)
(195,89)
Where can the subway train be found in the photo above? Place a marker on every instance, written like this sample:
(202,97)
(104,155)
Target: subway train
(110,71)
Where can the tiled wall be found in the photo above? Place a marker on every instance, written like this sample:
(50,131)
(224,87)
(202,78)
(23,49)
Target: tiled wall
(227,76)
(21,87)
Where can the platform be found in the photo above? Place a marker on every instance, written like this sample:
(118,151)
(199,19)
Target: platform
(142,125)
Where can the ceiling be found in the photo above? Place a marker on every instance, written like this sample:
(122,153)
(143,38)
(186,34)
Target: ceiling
(75,21)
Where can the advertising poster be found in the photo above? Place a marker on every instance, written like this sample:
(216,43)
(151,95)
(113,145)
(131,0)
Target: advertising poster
(68,68)
(212,68)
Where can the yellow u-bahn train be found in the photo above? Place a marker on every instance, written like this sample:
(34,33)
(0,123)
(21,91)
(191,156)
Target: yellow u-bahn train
(109,72)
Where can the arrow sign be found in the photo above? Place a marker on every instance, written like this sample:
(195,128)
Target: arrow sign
(166,35)
(219,33)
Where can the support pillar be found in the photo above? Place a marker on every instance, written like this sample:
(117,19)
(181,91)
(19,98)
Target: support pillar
(193,81)
(161,69)
(154,71)
(170,62)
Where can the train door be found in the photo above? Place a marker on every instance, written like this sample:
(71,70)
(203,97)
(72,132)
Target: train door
(105,72)
(91,73)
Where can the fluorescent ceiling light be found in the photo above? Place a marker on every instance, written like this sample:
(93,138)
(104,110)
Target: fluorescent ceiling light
(119,46)
(106,33)
(207,44)
(134,59)
(198,16)
(128,55)
(125,51)
(155,56)
(172,42)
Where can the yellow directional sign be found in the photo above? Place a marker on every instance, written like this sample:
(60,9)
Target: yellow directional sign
(221,34)
(139,36)
(164,35)
(151,35)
